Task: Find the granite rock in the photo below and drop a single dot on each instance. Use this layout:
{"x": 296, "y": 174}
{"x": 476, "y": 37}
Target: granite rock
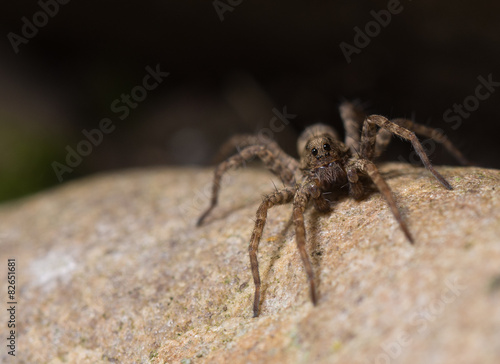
{"x": 112, "y": 269}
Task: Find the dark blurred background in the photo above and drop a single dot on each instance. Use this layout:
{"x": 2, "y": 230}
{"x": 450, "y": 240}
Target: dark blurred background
{"x": 230, "y": 63}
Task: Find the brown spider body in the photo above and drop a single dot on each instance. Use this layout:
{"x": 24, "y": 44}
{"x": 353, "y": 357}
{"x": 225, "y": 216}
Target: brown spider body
{"x": 326, "y": 165}
{"x": 323, "y": 157}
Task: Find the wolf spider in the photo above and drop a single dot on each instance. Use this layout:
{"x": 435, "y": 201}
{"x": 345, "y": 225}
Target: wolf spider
{"x": 326, "y": 165}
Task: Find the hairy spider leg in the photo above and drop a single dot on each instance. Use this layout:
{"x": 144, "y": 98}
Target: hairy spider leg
{"x": 368, "y": 141}
{"x": 384, "y": 136}
{"x": 277, "y": 165}
{"x": 302, "y": 196}
{"x": 353, "y": 116}
{"x": 277, "y": 198}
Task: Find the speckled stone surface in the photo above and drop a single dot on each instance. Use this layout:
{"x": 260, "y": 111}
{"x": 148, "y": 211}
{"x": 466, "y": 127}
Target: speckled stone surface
{"x": 113, "y": 269}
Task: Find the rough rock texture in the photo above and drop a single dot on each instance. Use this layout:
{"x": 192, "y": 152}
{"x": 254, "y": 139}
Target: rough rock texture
{"x": 112, "y": 269}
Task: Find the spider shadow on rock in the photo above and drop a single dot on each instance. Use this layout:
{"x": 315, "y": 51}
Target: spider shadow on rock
{"x": 394, "y": 172}
{"x": 281, "y": 239}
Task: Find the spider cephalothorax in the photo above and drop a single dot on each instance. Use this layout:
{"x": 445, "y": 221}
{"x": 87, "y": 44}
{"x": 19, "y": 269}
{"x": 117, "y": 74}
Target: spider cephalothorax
{"x": 322, "y": 155}
{"x": 326, "y": 166}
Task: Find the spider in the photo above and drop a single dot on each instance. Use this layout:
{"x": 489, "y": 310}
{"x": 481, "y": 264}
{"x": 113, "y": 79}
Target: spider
{"x": 326, "y": 166}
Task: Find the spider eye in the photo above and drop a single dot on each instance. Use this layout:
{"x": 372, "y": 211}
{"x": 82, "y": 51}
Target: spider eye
{"x": 326, "y": 147}
{"x": 314, "y": 151}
